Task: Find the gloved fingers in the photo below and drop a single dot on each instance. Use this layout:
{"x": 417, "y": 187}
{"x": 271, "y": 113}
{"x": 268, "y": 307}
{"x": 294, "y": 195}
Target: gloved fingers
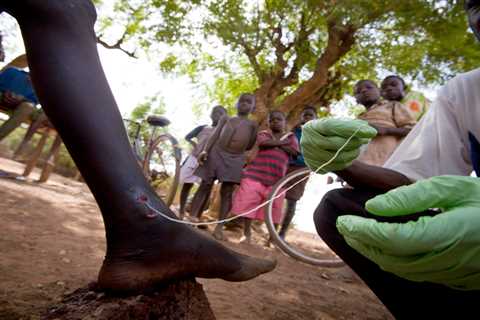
{"x": 322, "y": 156}
{"x": 341, "y": 128}
{"x": 441, "y": 249}
{"x": 322, "y": 159}
{"x": 437, "y": 192}
{"x": 312, "y": 139}
{"x": 419, "y": 237}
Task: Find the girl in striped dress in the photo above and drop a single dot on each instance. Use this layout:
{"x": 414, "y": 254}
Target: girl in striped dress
{"x": 269, "y": 165}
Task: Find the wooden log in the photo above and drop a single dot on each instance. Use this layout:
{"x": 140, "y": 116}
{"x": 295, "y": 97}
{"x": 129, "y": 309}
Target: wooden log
{"x": 36, "y": 154}
{"x": 51, "y": 159}
{"x": 177, "y": 301}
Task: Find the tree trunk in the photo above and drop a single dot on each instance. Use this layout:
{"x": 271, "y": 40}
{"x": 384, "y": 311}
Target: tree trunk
{"x": 177, "y": 301}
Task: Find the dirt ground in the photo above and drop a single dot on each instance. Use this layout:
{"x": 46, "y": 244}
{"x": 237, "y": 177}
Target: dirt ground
{"x": 52, "y": 242}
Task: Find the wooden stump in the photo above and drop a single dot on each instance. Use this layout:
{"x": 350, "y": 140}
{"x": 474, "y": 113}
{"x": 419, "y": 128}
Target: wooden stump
{"x": 178, "y": 301}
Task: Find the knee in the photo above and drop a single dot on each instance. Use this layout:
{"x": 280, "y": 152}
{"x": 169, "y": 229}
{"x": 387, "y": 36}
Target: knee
{"x": 25, "y": 108}
{"x": 326, "y": 214}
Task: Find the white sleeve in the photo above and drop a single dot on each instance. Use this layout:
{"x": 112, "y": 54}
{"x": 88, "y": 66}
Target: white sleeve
{"x": 435, "y": 146}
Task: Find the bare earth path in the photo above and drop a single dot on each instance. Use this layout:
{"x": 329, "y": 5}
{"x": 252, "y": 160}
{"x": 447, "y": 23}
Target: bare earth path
{"x": 52, "y": 242}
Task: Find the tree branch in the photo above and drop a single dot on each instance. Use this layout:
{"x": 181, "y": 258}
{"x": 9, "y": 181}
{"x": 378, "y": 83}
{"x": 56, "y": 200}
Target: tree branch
{"x": 340, "y": 41}
{"x": 117, "y": 45}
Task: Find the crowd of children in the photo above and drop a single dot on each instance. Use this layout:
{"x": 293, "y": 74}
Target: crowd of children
{"x": 219, "y": 154}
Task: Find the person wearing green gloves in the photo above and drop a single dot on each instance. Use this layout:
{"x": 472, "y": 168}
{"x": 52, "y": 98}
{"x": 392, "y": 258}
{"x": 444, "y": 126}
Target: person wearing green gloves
{"x": 411, "y": 229}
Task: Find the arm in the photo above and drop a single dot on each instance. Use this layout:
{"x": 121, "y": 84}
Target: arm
{"x": 9, "y": 99}
{"x": 360, "y": 175}
{"x": 193, "y": 134}
{"x": 253, "y": 137}
{"x": 202, "y": 157}
{"x": 398, "y": 132}
{"x": 272, "y": 143}
{"x": 291, "y": 148}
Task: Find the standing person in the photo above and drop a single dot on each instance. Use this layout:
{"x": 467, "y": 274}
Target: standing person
{"x": 143, "y": 248}
{"x": 296, "y": 163}
{"x": 389, "y": 117}
{"x": 269, "y": 165}
{"x": 421, "y": 263}
{"x": 201, "y": 134}
{"x": 224, "y": 157}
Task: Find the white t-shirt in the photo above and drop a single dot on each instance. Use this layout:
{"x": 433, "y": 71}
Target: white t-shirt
{"x": 439, "y": 143}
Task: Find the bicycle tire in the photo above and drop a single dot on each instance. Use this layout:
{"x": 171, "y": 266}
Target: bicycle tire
{"x": 165, "y": 137}
{"x": 282, "y": 244}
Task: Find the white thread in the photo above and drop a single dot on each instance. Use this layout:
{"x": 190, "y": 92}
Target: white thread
{"x": 261, "y": 205}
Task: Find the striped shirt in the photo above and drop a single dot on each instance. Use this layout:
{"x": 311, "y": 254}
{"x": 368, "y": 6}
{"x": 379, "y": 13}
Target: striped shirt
{"x": 269, "y": 165}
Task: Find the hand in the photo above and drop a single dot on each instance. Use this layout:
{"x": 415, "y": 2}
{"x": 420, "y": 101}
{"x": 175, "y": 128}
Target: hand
{"x": 202, "y": 157}
{"x": 322, "y": 138}
{"x": 193, "y": 144}
{"x": 11, "y": 100}
{"x": 441, "y": 249}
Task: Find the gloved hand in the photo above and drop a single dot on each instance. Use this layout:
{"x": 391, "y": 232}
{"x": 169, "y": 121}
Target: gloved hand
{"x": 322, "y": 138}
{"x": 442, "y": 249}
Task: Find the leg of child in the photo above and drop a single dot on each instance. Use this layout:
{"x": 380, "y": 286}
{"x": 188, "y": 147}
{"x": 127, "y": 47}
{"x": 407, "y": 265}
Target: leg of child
{"x": 290, "y": 212}
{"x": 184, "y": 197}
{"x": 226, "y": 192}
{"x": 200, "y": 199}
{"x": 247, "y": 231}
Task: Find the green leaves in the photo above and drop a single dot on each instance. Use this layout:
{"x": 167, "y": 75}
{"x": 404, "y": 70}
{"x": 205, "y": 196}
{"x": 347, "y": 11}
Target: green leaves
{"x": 278, "y": 48}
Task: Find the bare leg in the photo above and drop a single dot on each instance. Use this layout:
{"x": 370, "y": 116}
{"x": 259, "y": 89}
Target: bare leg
{"x": 247, "y": 231}
{"x": 226, "y": 192}
{"x": 184, "y": 197}
{"x": 289, "y": 214}
{"x": 200, "y": 199}
{"x": 21, "y": 114}
{"x": 143, "y": 249}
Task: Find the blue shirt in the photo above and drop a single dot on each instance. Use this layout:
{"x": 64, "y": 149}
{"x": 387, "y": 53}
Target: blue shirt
{"x": 298, "y": 161}
{"x": 18, "y": 82}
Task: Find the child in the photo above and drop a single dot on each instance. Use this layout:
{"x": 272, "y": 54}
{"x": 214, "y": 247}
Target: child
{"x": 224, "y": 157}
{"x": 269, "y": 165}
{"x": 390, "y": 117}
{"x": 296, "y": 163}
{"x": 201, "y": 134}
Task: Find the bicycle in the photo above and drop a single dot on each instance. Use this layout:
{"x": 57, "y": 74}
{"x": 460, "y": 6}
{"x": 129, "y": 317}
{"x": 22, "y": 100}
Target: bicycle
{"x": 279, "y": 187}
{"x": 159, "y": 155}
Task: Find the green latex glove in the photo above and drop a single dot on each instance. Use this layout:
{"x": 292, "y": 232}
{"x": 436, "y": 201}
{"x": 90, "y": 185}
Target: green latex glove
{"x": 442, "y": 249}
{"x": 322, "y": 138}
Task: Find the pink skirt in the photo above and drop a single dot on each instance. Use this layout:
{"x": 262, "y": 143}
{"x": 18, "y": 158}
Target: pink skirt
{"x": 250, "y": 195}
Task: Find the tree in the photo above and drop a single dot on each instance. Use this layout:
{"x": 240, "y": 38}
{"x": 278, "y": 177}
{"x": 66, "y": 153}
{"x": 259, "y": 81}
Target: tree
{"x": 297, "y": 52}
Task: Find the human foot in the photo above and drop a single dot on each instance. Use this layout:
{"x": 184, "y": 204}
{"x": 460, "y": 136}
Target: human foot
{"x": 218, "y": 233}
{"x": 165, "y": 251}
{"x": 246, "y": 239}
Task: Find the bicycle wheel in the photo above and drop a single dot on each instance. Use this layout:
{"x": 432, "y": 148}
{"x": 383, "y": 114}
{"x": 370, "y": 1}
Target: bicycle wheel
{"x": 278, "y": 241}
{"x": 162, "y": 166}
